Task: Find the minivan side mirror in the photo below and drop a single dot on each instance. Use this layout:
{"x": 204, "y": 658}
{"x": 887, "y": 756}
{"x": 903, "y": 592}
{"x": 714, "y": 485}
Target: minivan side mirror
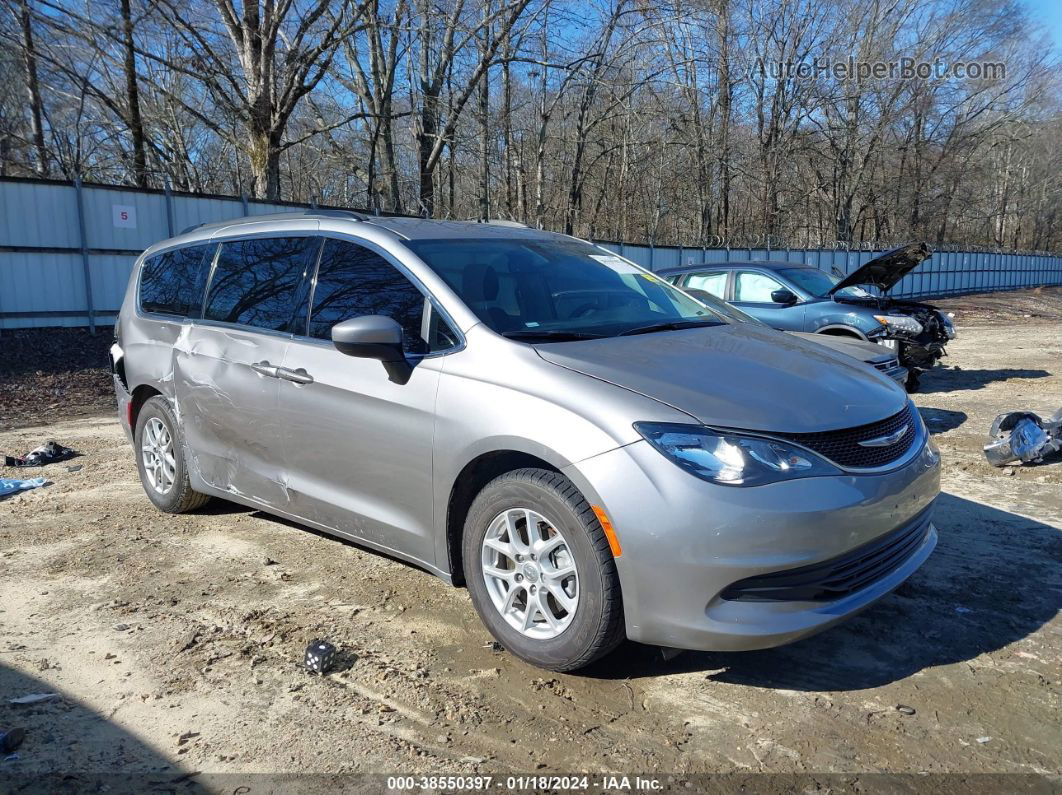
{"x": 374, "y": 337}
{"x": 784, "y": 296}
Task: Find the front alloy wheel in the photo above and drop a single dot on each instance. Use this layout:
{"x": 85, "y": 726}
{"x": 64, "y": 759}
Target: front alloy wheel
{"x": 530, "y": 574}
{"x": 540, "y": 570}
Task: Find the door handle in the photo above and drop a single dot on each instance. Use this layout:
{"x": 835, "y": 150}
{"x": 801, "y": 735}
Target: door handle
{"x": 266, "y": 369}
{"x": 299, "y": 376}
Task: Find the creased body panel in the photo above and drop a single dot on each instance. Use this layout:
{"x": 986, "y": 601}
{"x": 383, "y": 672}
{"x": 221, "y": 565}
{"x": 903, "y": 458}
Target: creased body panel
{"x": 228, "y": 410}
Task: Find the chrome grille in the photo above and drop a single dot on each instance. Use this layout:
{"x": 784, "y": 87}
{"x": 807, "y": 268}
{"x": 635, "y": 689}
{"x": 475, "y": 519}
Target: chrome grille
{"x": 843, "y": 447}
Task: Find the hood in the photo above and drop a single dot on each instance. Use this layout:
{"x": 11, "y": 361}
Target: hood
{"x": 850, "y": 346}
{"x": 885, "y": 270}
{"x": 738, "y": 376}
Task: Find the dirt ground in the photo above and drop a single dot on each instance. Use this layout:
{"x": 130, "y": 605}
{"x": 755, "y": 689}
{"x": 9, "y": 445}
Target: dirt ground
{"x": 173, "y": 642}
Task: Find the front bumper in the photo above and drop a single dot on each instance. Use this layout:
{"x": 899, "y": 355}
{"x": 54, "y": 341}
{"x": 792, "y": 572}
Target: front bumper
{"x": 897, "y": 374}
{"x": 686, "y": 541}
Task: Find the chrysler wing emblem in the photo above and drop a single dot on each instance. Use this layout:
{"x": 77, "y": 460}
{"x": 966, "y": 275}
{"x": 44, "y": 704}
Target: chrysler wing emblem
{"x": 886, "y": 441}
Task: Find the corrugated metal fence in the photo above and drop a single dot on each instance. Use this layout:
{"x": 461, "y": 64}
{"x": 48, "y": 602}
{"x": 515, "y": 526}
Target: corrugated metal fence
{"x": 66, "y": 251}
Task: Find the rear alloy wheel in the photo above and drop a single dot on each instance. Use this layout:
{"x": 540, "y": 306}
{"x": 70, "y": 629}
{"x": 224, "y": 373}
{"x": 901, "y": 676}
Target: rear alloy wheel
{"x": 540, "y": 570}
{"x": 156, "y": 451}
{"x": 160, "y": 459}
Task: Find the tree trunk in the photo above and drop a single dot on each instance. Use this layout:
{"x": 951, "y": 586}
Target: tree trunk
{"x": 507, "y": 130}
{"x": 484, "y": 138}
{"x": 33, "y": 92}
{"x": 429, "y": 129}
{"x": 132, "y": 92}
{"x": 264, "y": 157}
{"x": 722, "y": 217}
{"x": 387, "y": 159}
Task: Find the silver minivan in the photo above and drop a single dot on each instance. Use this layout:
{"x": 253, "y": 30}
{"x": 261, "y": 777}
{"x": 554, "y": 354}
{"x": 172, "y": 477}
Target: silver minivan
{"x": 592, "y": 452}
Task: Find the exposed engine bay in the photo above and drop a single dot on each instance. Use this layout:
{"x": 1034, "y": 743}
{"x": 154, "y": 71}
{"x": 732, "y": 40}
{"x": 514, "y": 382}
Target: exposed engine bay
{"x": 920, "y": 331}
{"x": 920, "y": 345}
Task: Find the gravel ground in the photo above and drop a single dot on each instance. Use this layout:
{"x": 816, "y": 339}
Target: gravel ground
{"x": 173, "y": 641}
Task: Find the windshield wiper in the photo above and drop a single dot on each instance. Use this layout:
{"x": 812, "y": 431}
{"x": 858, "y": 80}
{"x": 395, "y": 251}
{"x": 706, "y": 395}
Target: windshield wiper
{"x": 552, "y": 335}
{"x": 670, "y": 325}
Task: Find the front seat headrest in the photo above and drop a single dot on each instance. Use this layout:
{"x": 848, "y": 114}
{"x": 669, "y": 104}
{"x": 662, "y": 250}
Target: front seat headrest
{"x": 480, "y": 282}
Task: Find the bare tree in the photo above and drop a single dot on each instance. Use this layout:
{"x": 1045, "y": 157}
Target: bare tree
{"x": 33, "y": 91}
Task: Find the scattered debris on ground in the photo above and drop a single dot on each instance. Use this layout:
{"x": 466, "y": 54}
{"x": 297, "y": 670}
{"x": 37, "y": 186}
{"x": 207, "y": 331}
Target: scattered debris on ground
{"x": 47, "y": 453}
{"x": 1023, "y": 436}
{"x": 33, "y": 698}
{"x": 15, "y": 485}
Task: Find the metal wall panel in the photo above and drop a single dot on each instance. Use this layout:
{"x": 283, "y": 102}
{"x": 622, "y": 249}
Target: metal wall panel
{"x": 42, "y": 273}
{"x": 31, "y": 214}
{"x": 149, "y": 215}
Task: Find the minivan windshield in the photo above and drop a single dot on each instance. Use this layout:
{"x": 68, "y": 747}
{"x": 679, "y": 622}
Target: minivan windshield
{"x": 819, "y": 283}
{"x": 558, "y": 289}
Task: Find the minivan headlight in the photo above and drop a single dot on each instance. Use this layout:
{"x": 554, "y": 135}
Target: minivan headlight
{"x": 732, "y": 459}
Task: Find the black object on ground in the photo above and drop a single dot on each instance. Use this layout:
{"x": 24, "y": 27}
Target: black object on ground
{"x": 319, "y": 656}
{"x": 11, "y": 739}
{"x": 47, "y": 453}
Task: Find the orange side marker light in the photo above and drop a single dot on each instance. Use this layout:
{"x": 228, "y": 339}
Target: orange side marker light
{"x": 610, "y": 532}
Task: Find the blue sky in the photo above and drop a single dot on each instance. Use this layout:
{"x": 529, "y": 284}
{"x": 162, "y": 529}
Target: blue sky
{"x": 1049, "y": 14}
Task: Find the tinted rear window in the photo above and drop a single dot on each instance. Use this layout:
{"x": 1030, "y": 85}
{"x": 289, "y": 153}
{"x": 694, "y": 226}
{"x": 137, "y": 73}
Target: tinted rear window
{"x": 256, "y": 282}
{"x": 172, "y": 283}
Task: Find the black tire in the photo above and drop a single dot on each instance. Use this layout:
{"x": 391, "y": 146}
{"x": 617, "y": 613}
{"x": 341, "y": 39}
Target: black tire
{"x": 597, "y": 624}
{"x": 914, "y": 380}
{"x": 180, "y": 498}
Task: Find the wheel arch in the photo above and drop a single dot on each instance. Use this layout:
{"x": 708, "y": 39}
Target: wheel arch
{"x": 841, "y": 330}
{"x": 138, "y": 397}
{"x": 474, "y": 475}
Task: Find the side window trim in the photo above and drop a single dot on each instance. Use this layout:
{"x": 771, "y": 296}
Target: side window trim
{"x": 304, "y": 294}
{"x": 312, "y": 291}
{"x": 209, "y": 279}
{"x": 398, "y": 265}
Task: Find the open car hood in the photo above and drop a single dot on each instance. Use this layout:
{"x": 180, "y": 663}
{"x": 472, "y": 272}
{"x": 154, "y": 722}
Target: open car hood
{"x": 884, "y": 271}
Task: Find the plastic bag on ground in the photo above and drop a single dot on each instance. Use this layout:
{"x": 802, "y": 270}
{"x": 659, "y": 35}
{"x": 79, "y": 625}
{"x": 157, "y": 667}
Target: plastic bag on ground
{"x": 1027, "y": 440}
{"x": 12, "y": 485}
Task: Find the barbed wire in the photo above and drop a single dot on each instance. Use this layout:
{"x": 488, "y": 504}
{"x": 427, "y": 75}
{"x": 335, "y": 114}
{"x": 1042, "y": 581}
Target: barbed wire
{"x": 765, "y": 242}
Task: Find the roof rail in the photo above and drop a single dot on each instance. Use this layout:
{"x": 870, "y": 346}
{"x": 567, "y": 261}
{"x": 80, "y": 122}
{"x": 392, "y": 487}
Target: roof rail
{"x": 354, "y": 215}
{"x": 499, "y": 222}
